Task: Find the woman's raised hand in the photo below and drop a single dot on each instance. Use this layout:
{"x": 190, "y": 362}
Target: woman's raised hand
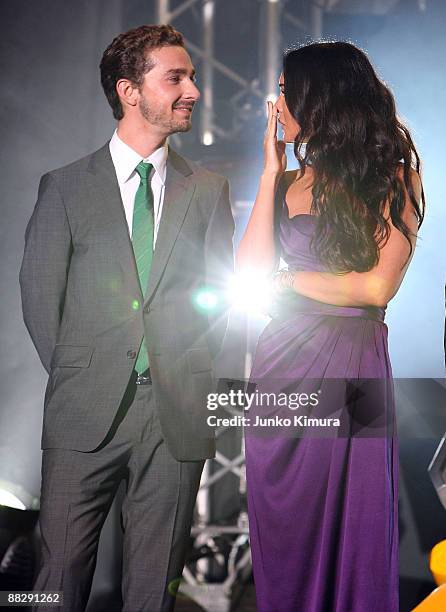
{"x": 274, "y": 150}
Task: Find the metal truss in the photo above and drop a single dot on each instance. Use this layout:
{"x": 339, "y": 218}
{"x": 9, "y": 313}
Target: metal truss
{"x": 235, "y": 560}
{"x": 307, "y": 16}
{"x": 264, "y": 85}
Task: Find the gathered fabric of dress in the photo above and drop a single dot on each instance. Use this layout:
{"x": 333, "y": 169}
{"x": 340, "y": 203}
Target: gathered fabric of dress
{"x": 323, "y": 503}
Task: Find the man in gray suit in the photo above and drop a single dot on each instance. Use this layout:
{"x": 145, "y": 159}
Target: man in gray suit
{"x": 116, "y": 325}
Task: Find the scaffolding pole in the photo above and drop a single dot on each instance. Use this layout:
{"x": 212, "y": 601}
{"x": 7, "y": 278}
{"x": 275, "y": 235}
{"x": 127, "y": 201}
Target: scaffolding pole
{"x": 270, "y": 46}
{"x": 162, "y": 11}
{"x": 207, "y": 71}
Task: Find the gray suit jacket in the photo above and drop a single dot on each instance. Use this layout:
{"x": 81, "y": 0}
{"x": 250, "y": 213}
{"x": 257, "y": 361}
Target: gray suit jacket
{"x": 85, "y": 312}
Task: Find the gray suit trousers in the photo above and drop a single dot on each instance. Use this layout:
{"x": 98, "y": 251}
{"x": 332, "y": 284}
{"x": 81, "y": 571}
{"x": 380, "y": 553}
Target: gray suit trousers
{"x": 78, "y": 489}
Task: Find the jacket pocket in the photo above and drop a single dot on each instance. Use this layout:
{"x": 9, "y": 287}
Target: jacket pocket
{"x": 72, "y": 356}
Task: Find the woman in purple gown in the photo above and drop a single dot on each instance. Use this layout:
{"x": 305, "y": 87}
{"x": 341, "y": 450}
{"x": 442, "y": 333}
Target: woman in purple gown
{"x": 323, "y": 501}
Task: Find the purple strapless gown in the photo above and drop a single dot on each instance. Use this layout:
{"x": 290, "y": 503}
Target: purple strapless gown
{"x": 323, "y": 510}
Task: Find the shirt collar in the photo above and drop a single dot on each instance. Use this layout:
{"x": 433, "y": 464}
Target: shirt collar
{"x": 125, "y": 159}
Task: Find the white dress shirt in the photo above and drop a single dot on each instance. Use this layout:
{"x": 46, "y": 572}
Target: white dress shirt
{"x": 125, "y": 160}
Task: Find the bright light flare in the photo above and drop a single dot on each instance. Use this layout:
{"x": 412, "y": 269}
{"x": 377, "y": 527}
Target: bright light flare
{"x": 206, "y": 300}
{"x": 11, "y": 501}
{"x": 250, "y": 291}
{"x": 15, "y": 496}
{"x": 208, "y": 138}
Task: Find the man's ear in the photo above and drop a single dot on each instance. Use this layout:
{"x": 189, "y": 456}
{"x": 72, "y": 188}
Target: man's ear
{"x": 128, "y": 92}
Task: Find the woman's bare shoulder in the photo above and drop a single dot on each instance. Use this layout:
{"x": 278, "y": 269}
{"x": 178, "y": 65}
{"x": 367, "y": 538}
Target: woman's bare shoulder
{"x": 415, "y": 180}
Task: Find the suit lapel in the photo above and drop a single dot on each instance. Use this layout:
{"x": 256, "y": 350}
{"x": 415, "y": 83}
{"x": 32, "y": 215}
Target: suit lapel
{"x": 107, "y": 198}
{"x": 179, "y": 190}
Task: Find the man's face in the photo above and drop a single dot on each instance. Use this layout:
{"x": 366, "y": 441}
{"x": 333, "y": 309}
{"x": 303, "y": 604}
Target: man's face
{"x": 168, "y": 92}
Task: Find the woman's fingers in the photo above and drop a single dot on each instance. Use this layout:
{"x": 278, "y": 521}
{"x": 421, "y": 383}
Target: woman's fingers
{"x": 274, "y": 114}
{"x": 274, "y": 150}
{"x": 271, "y": 129}
{"x": 269, "y": 114}
{"x": 268, "y": 122}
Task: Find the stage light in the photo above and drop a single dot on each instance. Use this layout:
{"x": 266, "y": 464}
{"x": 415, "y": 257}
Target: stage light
{"x": 208, "y": 138}
{"x": 11, "y": 501}
{"x": 15, "y": 496}
{"x": 251, "y": 292}
{"x": 18, "y": 518}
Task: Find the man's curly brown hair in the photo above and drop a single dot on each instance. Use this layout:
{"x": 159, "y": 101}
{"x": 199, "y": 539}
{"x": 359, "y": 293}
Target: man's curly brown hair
{"x": 127, "y": 57}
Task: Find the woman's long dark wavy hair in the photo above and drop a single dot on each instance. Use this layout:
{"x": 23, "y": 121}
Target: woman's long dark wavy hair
{"x": 354, "y": 144}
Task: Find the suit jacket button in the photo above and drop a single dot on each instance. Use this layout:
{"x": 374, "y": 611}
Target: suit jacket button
{"x": 146, "y": 308}
{"x": 131, "y": 354}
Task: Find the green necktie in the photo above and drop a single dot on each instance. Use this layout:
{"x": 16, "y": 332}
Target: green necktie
{"x": 142, "y": 240}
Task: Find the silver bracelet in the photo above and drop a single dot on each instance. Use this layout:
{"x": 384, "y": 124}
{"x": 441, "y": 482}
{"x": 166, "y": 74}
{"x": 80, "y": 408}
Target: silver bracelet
{"x": 284, "y": 280}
